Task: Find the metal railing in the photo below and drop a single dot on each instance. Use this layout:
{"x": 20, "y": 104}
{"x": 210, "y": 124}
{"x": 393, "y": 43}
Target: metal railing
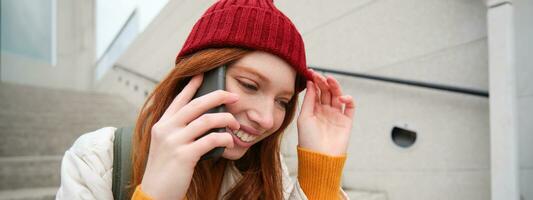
{"x": 407, "y": 82}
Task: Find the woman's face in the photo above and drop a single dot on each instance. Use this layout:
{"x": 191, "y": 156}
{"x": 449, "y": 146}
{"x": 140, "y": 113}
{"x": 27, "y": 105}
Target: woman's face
{"x": 265, "y": 85}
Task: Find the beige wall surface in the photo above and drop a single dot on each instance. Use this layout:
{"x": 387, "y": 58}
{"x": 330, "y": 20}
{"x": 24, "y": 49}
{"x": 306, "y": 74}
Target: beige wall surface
{"x": 523, "y": 19}
{"x": 75, "y": 52}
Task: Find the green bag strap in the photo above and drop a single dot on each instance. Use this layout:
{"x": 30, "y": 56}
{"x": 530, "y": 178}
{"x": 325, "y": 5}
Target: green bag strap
{"x": 122, "y": 163}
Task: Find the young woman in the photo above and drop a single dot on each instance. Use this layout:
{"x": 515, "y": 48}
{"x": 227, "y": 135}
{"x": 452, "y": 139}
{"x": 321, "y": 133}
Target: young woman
{"x": 266, "y": 71}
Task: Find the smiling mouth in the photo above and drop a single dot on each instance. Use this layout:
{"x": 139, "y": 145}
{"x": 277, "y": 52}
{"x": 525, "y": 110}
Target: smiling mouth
{"x": 243, "y": 136}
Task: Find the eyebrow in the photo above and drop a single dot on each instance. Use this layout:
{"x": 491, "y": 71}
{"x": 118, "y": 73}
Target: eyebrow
{"x": 252, "y": 71}
{"x": 260, "y": 76}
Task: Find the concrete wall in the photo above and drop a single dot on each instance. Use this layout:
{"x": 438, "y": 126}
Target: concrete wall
{"x": 27, "y": 28}
{"x": 75, "y": 52}
{"x": 511, "y": 98}
{"x": 503, "y": 120}
{"x": 434, "y": 41}
{"x": 523, "y": 23}
{"x": 153, "y": 53}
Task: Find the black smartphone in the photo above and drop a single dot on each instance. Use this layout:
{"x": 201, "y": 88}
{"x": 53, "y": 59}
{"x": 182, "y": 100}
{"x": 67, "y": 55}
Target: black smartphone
{"x": 214, "y": 79}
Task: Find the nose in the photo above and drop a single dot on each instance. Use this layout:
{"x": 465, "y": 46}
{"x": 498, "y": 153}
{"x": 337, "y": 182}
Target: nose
{"x": 262, "y": 115}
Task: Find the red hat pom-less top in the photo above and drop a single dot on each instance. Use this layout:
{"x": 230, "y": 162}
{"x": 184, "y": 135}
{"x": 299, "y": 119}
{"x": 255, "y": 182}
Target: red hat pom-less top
{"x": 254, "y": 24}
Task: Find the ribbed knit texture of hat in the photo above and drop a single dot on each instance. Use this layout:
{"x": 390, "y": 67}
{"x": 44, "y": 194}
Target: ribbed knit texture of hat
{"x": 253, "y": 24}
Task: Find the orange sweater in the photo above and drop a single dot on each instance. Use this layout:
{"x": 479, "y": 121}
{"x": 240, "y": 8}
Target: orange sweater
{"x": 319, "y": 175}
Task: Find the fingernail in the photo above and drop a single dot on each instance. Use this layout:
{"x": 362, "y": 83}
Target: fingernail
{"x": 347, "y": 98}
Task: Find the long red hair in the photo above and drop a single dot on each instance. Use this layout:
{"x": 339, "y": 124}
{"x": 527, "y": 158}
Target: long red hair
{"x": 260, "y": 166}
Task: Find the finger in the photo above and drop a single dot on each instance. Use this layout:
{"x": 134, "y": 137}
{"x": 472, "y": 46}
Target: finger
{"x": 325, "y": 95}
{"x": 315, "y": 87}
{"x": 336, "y": 92}
{"x": 206, "y": 122}
{"x": 308, "y": 104}
{"x": 210, "y": 141}
{"x": 202, "y": 104}
{"x": 317, "y": 96}
{"x": 350, "y": 106}
{"x": 184, "y": 96}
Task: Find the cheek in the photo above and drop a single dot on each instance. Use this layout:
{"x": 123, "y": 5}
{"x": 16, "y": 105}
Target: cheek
{"x": 234, "y": 108}
{"x": 277, "y": 123}
{"x": 248, "y": 101}
{"x": 279, "y": 117}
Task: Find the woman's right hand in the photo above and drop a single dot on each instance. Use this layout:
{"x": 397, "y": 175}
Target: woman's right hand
{"x": 174, "y": 152}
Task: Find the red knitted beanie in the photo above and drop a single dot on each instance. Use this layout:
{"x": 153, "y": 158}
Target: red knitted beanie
{"x": 253, "y": 24}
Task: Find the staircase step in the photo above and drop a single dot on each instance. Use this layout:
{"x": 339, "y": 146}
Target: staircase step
{"x": 32, "y": 98}
{"x": 366, "y": 195}
{"x": 37, "y": 126}
{"x": 51, "y": 137}
{"x": 29, "y": 194}
{"x": 23, "y": 136}
{"x": 38, "y": 121}
{"x": 29, "y": 172}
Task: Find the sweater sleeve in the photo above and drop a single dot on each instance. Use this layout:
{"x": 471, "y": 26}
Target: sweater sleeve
{"x": 139, "y": 194}
{"x": 320, "y": 174}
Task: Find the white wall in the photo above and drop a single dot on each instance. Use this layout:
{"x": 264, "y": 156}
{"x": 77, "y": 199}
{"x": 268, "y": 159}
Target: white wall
{"x": 111, "y": 16}
{"x": 153, "y": 52}
{"x": 503, "y": 120}
{"x": 434, "y": 41}
{"x": 75, "y": 52}
{"x": 511, "y": 103}
{"x": 28, "y": 29}
{"x": 523, "y": 23}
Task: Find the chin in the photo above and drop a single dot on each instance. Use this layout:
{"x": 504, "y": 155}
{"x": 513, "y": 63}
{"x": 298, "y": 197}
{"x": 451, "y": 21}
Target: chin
{"x": 234, "y": 153}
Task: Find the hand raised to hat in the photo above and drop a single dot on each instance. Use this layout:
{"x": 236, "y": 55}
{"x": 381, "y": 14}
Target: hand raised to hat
{"x": 325, "y": 120}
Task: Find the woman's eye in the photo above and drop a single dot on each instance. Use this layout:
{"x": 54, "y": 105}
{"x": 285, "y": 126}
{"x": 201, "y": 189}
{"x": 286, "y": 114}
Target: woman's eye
{"x": 284, "y": 104}
{"x": 248, "y": 86}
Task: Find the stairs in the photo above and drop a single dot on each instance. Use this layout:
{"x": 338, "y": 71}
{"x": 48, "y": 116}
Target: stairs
{"x": 38, "y": 124}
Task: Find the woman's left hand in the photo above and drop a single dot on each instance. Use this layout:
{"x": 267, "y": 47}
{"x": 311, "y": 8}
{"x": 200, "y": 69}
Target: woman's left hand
{"x": 325, "y": 120}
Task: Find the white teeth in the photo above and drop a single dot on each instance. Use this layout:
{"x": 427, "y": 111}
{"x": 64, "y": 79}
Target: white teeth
{"x": 244, "y": 136}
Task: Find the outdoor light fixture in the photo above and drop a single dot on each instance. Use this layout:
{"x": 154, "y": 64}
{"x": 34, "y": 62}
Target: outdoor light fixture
{"x": 403, "y": 137}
